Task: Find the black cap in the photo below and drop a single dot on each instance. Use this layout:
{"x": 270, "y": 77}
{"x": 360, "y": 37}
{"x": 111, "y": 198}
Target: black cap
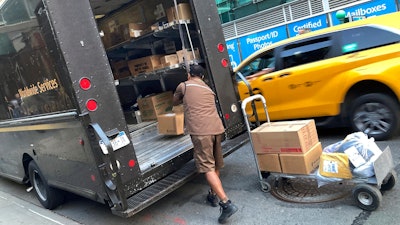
{"x": 196, "y": 70}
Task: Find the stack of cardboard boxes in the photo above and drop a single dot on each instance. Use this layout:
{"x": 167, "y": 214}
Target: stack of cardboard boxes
{"x": 184, "y": 13}
{"x": 289, "y": 147}
{"x": 122, "y": 28}
{"x": 152, "y": 106}
{"x": 159, "y": 107}
{"x": 155, "y": 62}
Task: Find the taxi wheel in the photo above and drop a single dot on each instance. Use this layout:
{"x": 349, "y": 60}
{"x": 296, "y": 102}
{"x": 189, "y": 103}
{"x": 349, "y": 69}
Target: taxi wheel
{"x": 49, "y": 197}
{"x": 376, "y": 115}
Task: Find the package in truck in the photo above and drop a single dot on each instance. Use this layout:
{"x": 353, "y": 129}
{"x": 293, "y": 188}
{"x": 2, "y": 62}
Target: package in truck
{"x": 144, "y": 64}
{"x": 181, "y": 12}
{"x": 152, "y": 106}
{"x": 171, "y": 123}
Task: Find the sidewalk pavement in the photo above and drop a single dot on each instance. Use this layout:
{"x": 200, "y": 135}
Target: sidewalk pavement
{"x": 14, "y": 211}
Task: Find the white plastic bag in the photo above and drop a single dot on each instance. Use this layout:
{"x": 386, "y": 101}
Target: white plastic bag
{"x": 355, "y": 145}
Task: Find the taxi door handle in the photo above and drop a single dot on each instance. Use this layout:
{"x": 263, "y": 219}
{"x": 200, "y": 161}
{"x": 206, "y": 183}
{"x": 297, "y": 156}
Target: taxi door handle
{"x": 268, "y": 79}
{"x": 284, "y": 75}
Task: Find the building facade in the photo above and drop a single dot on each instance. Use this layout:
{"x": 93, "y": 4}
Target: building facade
{"x": 285, "y": 19}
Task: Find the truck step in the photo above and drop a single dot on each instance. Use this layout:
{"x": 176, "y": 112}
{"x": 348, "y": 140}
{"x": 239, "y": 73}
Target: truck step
{"x": 158, "y": 190}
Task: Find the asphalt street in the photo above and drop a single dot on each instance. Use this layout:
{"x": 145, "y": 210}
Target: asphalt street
{"x": 187, "y": 205}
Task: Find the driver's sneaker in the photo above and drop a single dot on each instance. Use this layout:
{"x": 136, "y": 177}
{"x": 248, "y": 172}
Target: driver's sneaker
{"x": 227, "y": 210}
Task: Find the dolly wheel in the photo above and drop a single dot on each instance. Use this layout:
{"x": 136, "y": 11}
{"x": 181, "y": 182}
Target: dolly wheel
{"x": 265, "y": 186}
{"x": 367, "y": 197}
{"x": 390, "y": 182}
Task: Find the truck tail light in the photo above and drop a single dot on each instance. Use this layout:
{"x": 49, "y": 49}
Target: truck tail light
{"x": 221, "y": 47}
{"x": 227, "y": 116}
{"x": 224, "y": 62}
{"x": 85, "y": 83}
{"x": 91, "y": 105}
{"x": 131, "y": 163}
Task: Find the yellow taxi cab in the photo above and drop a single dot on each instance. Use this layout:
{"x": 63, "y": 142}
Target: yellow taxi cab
{"x": 346, "y": 75}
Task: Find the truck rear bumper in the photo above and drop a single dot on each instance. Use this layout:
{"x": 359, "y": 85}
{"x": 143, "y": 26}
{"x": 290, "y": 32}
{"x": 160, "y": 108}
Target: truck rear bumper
{"x": 158, "y": 190}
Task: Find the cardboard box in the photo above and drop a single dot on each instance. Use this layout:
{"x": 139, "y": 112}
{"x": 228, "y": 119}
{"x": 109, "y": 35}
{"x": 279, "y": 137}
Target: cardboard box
{"x": 152, "y": 106}
{"x": 184, "y": 13}
{"x": 169, "y": 59}
{"x": 116, "y": 38}
{"x": 169, "y": 47}
{"x": 132, "y": 30}
{"x": 171, "y": 123}
{"x": 178, "y": 109}
{"x": 285, "y": 137}
{"x": 106, "y": 39}
{"x": 159, "y": 67}
{"x": 143, "y": 65}
{"x": 159, "y": 11}
{"x": 335, "y": 165}
{"x": 269, "y": 162}
{"x": 187, "y": 54}
{"x": 156, "y": 26}
{"x": 120, "y": 69}
{"x": 301, "y": 163}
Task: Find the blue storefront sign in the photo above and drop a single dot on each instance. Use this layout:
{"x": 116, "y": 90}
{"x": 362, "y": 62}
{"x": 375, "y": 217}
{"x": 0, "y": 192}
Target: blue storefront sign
{"x": 312, "y": 24}
{"x": 253, "y": 42}
{"x": 233, "y": 51}
{"x": 241, "y": 48}
{"x": 372, "y": 8}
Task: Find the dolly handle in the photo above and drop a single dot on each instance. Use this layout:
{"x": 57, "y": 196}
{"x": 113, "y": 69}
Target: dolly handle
{"x": 252, "y": 98}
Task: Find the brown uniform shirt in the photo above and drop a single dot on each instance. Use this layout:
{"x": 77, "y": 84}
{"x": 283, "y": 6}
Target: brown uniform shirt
{"x": 201, "y": 116}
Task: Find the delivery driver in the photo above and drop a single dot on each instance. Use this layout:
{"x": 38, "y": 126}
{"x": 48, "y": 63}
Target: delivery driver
{"x": 206, "y": 129}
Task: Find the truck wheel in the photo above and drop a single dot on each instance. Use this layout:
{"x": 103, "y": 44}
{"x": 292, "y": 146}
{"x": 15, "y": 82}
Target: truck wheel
{"x": 391, "y": 181}
{"x": 367, "y": 197}
{"x": 49, "y": 197}
{"x": 376, "y": 115}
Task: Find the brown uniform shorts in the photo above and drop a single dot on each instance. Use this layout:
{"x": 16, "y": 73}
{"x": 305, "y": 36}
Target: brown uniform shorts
{"x": 207, "y": 152}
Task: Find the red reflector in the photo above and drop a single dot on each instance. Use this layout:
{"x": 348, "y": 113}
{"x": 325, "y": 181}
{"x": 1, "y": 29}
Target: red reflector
{"x": 91, "y": 105}
{"x": 224, "y": 62}
{"x": 227, "y": 116}
{"x": 221, "y": 47}
{"x": 93, "y": 177}
{"x": 85, "y": 83}
{"x": 131, "y": 163}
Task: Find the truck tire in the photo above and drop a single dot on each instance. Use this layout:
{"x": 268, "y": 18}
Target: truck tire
{"x": 49, "y": 197}
{"x": 376, "y": 115}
